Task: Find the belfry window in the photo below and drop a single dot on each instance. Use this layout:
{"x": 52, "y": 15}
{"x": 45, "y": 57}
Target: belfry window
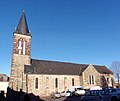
{"x": 36, "y": 83}
{"x": 24, "y": 44}
{"x": 20, "y": 47}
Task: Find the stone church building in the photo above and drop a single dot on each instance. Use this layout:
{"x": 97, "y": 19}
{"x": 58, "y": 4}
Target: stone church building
{"x": 42, "y": 77}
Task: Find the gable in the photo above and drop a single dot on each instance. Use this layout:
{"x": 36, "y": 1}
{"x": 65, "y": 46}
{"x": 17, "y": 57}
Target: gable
{"x": 99, "y": 69}
{"x": 90, "y": 70}
{"x": 4, "y": 77}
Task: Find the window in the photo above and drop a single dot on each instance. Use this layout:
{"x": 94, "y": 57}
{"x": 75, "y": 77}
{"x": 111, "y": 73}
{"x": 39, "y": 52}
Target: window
{"x": 108, "y": 80}
{"x": 56, "y": 82}
{"x": 91, "y": 79}
{"x": 72, "y": 82}
{"x": 20, "y": 47}
{"x": 65, "y": 80}
{"x": 47, "y": 78}
{"x": 36, "y": 83}
{"x": 24, "y": 44}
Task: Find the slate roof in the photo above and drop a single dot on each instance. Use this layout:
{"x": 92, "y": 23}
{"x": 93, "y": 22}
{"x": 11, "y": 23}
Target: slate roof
{"x": 60, "y": 68}
{"x": 103, "y": 69}
{"x": 4, "y": 78}
{"x": 22, "y": 27}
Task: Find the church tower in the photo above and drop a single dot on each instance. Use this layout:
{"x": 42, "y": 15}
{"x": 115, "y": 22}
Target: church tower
{"x": 20, "y": 55}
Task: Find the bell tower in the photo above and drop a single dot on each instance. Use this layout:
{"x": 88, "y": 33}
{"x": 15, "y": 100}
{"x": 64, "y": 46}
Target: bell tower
{"x": 20, "y": 54}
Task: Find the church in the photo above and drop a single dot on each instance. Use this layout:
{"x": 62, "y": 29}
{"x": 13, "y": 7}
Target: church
{"x": 43, "y": 77}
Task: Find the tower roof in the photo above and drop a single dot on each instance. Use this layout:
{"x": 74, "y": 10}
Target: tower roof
{"x": 22, "y": 27}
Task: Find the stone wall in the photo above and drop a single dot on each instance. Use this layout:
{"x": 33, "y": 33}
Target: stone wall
{"x": 46, "y": 83}
{"x": 90, "y": 71}
{"x": 26, "y": 38}
{"x": 17, "y": 78}
{"x": 97, "y": 78}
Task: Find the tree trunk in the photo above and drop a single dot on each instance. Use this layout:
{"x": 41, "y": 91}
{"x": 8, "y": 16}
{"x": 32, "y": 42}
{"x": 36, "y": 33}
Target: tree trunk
{"x": 118, "y": 80}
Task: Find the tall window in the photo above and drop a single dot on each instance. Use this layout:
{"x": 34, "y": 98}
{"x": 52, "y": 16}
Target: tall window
{"x": 36, "y": 83}
{"x": 20, "y": 47}
{"x": 65, "y": 80}
{"x": 108, "y": 80}
{"x": 56, "y": 82}
{"x": 73, "y": 82}
{"x": 91, "y": 80}
{"x": 24, "y": 44}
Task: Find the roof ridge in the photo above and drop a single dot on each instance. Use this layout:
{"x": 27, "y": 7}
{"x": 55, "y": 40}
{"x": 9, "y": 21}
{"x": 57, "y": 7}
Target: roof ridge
{"x": 60, "y": 62}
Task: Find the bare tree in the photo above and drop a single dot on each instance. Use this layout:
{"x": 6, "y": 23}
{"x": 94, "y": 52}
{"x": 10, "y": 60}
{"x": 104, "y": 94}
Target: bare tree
{"x": 116, "y": 70}
{"x": 104, "y": 83}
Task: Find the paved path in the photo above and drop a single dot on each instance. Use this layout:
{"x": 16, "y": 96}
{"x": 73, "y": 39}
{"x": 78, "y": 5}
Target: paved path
{"x": 64, "y": 99}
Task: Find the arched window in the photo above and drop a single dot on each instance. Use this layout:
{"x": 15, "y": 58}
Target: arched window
{"x": 65, "y": 81}
{"x": 24, "y": 44}
{"x": 56, "y": 82}
{"x": 20, "y": 47}
{"x": 73, "y": 82}
{"x": 36, "y": 83}
{"x": 108, "y": 80}
{"x": 91, "y": 79}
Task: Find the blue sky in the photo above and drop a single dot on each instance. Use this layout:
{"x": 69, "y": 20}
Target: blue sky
{"x": 78, "y": 31}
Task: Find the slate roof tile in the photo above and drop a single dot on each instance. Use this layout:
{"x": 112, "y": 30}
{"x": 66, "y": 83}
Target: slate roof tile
{"x": 60, "y": 68}
{"x": 22, "y": 27}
